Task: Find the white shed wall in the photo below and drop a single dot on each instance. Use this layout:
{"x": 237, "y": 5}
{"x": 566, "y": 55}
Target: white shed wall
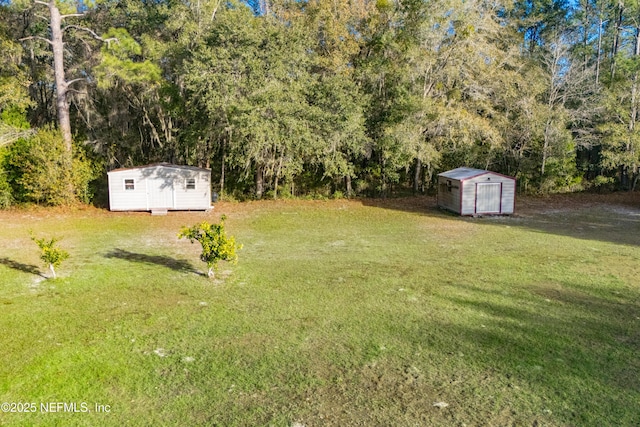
{"x": 469, "y": 191}
{"x": 159, "y": 186}
{"x": 127, "y": 200}
{"x": 449, "y": 195}
{"x": 193, "y": 198}
{"x": 509, "y": 197}
{"x": 469, "y": 194}
{"x": 468, "y": 199}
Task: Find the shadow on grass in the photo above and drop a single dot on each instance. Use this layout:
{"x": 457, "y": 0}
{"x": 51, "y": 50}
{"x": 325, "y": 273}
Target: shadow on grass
{"x": 25, "y": 268}
{"x": 423, "y": 205}
{"x": 162, "y": 260}
{"x": 575, "y": 351}
{"x": 613, "y": 218}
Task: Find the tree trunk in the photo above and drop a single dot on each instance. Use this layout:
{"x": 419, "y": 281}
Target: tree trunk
{"x": 623, "y": 177}
{"x": 347, "y": 185}
{"x": 417, "y": 177}
{"x": 634, "y": 88}
{"x": 616, "y": 39}
{"x": 429, "y": 176}
{"x": 259, "y": 181}
{"x": 222, "y": 166}
{"x": 599, "y": 56}
{"x": 545, "y": 147}
{"x": 585, "y": 38}
{"x": 633, "y": 116}
{"x": 383, "y": 177}
{"x": 207, "y": 154}
{"x": 53, "y": 271}
{"x": 62, "y": 104}
{"x": 275, "y": 186}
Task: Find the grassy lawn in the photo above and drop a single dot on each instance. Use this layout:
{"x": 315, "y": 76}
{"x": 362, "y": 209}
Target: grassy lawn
{"x": 339, "y": 313}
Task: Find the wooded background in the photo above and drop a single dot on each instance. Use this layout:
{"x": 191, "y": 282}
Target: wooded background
{"x": 318, "y": 98}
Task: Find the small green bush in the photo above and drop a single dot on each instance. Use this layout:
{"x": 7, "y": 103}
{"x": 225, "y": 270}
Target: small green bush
{"x": 49, "y": 254}
{"x": 216, "y": 246}
{"x": 37, "y": 172}
{"x": 6, "y": 196}
{"x": 603, "y": 183}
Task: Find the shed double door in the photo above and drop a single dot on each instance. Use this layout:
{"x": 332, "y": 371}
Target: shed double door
{"x": 488, "y": 197}
{"x": 160, "y": 193}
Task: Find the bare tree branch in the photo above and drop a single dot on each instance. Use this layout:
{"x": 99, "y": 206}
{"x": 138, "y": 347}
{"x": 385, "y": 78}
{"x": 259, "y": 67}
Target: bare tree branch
{"x": 36, "y": 38}
{"x": 9, "y": 134}
{"x": 70, "y": 82}
{"x": 90, "y": 32}
{"x": 215, "y": 9}
{"x": 71, "y": 15}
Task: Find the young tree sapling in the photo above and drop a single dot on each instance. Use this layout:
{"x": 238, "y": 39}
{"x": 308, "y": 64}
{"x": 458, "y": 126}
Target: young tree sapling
{"x": 216, "y": 246}
{"x": 50, "y": 254}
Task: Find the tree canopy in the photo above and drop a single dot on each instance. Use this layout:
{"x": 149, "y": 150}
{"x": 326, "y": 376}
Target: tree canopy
{"x": 288, "y": 98}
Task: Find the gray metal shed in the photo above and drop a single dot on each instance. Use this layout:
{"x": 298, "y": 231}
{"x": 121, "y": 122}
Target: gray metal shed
{"x": 469, "y": 191}
{"x": 159, "y": 187}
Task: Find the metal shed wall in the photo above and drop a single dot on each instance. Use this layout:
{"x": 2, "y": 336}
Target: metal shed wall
{"x": 449, "y": 193}
{"x": 160, "y": 186}
{"x": 469, "y": 191}
{"x": 490, "y": 193}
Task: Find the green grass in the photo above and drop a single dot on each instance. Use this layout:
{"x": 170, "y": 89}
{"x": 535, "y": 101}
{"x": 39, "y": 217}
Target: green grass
{"x": 338, "y": 313}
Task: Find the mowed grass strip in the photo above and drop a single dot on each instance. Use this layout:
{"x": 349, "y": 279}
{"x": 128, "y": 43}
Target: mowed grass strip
{"x": 338, "y": 313}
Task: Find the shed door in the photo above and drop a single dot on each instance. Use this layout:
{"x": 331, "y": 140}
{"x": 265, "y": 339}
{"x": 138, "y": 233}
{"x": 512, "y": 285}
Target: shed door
{"x": 488, "y": 197}
{"x": 160, "y": 193}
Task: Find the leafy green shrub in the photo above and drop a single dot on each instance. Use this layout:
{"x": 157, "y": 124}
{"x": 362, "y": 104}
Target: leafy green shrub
{"x": 15, "y": 116}
{"x": 49, "y": 254}
{"x": 85, "y": 171}
{"x": 603, "y": 183}
{"x": 337, "y": 195}
{"x": 216, "y": 246}
{"x": 38, "y": 173}
{"x": 6, "y": 197}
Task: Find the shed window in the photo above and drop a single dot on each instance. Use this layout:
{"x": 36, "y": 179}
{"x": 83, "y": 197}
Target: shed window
{"x": 129, "y": 184}
{"x": 191, "y": 183}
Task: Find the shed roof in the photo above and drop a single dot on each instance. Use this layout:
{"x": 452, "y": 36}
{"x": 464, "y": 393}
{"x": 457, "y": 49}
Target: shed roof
{"x": 463, "y": 173}
{"x": 163, "y": 164}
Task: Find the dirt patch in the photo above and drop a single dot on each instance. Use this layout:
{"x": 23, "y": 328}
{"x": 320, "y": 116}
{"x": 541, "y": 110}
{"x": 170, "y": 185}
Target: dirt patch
{"x": 34, "y": 285}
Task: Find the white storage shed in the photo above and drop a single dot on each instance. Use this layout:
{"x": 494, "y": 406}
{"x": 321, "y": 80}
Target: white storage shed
{"x": 159, "y": 187}
{"x": 468, "y": 191}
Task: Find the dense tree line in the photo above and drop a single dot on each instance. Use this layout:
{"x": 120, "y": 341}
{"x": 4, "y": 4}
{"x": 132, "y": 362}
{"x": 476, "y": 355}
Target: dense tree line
{"x": 340, "y": 97}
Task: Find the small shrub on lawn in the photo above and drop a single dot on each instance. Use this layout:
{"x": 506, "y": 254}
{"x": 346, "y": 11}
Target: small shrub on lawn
{"x": 50, "y": 254}
{"x": 216, "y": 246}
